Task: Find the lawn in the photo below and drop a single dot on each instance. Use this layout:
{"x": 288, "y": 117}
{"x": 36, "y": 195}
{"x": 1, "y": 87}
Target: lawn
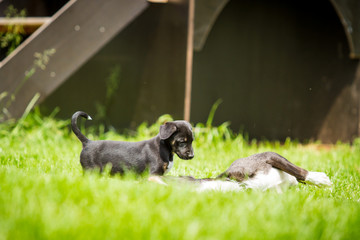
{"x": 45, "y": 195}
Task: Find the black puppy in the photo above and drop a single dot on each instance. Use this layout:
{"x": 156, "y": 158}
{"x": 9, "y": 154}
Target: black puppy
{"x": 155, "y": 154}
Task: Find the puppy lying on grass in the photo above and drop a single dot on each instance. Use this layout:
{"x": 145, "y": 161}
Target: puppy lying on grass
{"x": 262, "y": 171}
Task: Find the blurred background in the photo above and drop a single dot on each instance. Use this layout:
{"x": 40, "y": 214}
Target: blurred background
{"x": 281, "y": 68}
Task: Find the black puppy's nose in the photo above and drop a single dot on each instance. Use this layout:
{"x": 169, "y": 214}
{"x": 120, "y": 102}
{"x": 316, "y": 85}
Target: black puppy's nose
{"x": 190, "y": 155}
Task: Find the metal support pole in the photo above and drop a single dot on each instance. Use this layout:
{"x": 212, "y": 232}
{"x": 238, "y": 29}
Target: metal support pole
{"x": 189, "y": 60}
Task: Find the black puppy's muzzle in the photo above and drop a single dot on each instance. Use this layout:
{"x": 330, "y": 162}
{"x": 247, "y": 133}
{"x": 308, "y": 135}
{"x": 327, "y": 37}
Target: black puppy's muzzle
{"x": 187, "y": 156}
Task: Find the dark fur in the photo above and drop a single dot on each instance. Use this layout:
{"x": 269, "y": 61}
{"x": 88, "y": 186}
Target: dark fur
{"x": 154, "y": 154}
{"x": 243, "y": 169}
{"x": 248, "y": 167}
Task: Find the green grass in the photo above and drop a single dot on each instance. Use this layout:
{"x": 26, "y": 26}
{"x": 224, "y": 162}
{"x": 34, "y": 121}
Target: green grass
{"x": 44, "y": 194}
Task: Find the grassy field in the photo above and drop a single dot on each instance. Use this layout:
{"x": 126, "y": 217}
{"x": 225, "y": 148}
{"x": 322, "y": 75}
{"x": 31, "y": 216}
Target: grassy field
{"x": 44, "y": 194}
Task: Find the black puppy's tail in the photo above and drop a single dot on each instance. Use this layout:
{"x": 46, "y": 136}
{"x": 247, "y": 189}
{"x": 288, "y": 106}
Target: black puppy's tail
{"x": 75, "y": 128}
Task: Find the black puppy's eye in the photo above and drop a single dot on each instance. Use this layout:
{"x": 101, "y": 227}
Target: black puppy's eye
{"x": 182, "y": 144}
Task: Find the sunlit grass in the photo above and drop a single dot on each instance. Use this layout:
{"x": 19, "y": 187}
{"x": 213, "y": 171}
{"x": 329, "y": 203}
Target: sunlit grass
{"x": 45, "y": 195}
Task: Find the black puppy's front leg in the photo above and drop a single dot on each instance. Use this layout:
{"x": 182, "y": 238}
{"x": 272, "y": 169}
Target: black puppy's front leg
{"x": 156, "y": 179}
{"x": 159, "y": 168}
{"x": 157, "y": 171}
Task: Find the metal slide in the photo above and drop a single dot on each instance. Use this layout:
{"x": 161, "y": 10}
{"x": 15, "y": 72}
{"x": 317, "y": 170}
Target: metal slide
{"x": 59, "y": 47}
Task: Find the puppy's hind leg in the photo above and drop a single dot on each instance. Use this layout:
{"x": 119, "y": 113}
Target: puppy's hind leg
{"x": 319, "y": 179}
{"x": 279, "y": 162}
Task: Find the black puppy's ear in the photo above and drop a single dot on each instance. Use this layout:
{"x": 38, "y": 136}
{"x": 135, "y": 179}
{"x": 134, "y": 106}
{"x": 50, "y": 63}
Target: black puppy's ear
{"x": 167, "y": 130}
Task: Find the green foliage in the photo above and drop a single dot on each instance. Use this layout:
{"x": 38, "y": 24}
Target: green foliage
{"x": 14, "y": 34}
{"x": 112, "y": 85}
{"x": 42, "y": 59}
{"x": 45, "y": 195}
{"x": 6, "y": 99}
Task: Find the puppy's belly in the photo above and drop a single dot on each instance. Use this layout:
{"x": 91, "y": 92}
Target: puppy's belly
{"x": 120, "y": 156}
{"x": 273, "y": 179}
{"x": 219, "y": 185}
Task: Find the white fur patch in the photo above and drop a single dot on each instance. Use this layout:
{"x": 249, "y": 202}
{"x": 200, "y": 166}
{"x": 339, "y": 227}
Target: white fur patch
{"x": 169, "y": 166}
{"x": 219, "y": 185}
{"x": 275, "y": 178}
{"x": 319, "y": 179}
